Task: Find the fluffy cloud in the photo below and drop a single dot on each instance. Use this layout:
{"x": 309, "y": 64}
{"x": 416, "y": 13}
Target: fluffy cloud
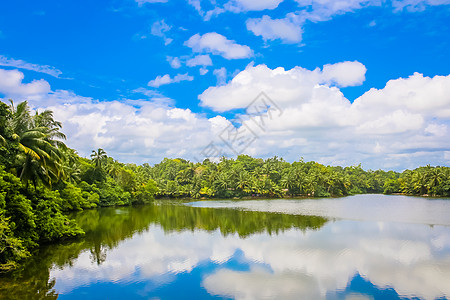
{"x": 288, "y": 86}
{"x": 345, "y": 73}
{"x": 11, "y": 84}
{"x": 217, "y": 44}
{"x": 199, "y": 60}
{"x": 126, "y": 129}
{"x": 166, "y": 79}
{"x": 402, "y": 125}
{"x": 270, "y": 29}
{"x": 174, "y": 62}
{"x": 398, "y": 126}
{"x": 20, "y": 64}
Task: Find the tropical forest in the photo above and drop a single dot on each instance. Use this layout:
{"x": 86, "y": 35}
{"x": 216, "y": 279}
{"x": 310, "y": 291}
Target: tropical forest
{"x": 42, "y": 180}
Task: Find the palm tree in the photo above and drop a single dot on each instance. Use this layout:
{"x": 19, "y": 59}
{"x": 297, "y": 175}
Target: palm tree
{"x": 242, "y": 180}
{"x": 98, "y": 157}
{"x": 435, "y": 177}
{"x": 419, "y": 179}
{"x": 39, "y": 148}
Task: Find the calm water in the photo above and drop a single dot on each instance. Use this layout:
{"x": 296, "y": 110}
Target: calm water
{"x": 360, "y": 247}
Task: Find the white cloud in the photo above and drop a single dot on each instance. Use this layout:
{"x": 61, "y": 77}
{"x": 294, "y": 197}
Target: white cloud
{"x": 203, "y": 71}
{"x": 235, "y": 6}
{"x": 174, "y": 62}
{"x": 251, "y": 5}
{"x": 270, "y": 29}
{"x": 288, "y": 85}
{"x": 20, "y": 64}
{"x": 159, "y": 28}
{"x": 11, "y": 84}
{"x": 196, "y": 5}
{"x": 166, "y": 79}
{"x": 289, "y": 29}
{"x": 345, "y": 73}
{"x": 402, "y": 125}
{"x": 324, "y": 9}
{"x": 217, "y": 44}
{"x": 221, "y": 75}
{"x": 199, "y": 60}
{"x": 409, "y": 116}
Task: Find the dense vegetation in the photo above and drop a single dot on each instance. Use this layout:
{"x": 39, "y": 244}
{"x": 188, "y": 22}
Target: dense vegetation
{"x": 41, "y": 179}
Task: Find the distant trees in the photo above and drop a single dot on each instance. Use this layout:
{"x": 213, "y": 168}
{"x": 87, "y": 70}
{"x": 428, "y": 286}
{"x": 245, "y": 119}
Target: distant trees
{"x": 428, "y": 180}
{"x": 32, "y": 151}
{"x": 273, "y": 177}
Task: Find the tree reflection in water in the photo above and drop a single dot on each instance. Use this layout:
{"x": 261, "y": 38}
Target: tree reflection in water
{"x": 106, "y": 228}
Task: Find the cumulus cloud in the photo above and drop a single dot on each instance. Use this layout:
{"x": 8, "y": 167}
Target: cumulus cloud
{"x": 20, "y": 64}
{"x": 174, "y": 62}
{"x": 159, "y": 28}
{"x": 290, "y": 86}
{"x": 166, "y": 79}
{"x": 126, "y": 129}
{"x": 199, "y": 60}
{"x": 11, "y": 84}
{"x": 345, "y": 73}
{"x": 400, "y": 125}
{"x": 270, "y": 29}
{"x": 217, "y": 44}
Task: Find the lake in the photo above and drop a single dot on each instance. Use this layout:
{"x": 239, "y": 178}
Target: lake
{"x": 357, "y": 247}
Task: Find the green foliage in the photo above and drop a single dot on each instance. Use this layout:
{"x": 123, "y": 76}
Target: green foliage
{"x": 28, "y": 218}
{"x": 32, "y": 151}
{"x": 73, "y": 198}
{"x": 428, "y": 180}
{"x": 145, "y": 192}
{"x": 51, "y": 224}
{"x": 12, "y": 249}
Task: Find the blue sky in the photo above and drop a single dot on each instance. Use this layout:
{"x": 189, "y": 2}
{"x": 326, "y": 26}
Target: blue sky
{"x": 149, "y": 79}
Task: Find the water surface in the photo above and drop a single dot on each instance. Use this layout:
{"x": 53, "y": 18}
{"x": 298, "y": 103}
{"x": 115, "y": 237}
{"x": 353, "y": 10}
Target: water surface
{"x": 372, "y": 207}
{"x": 264, "y": 249}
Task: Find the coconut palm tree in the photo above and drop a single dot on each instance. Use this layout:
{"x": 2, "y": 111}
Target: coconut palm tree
{"x": 98, "y": 157}
{"x": 39, "y": 156}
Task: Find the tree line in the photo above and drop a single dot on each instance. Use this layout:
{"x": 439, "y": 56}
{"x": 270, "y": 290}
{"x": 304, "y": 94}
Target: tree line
{"x": 41, "y": 179}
